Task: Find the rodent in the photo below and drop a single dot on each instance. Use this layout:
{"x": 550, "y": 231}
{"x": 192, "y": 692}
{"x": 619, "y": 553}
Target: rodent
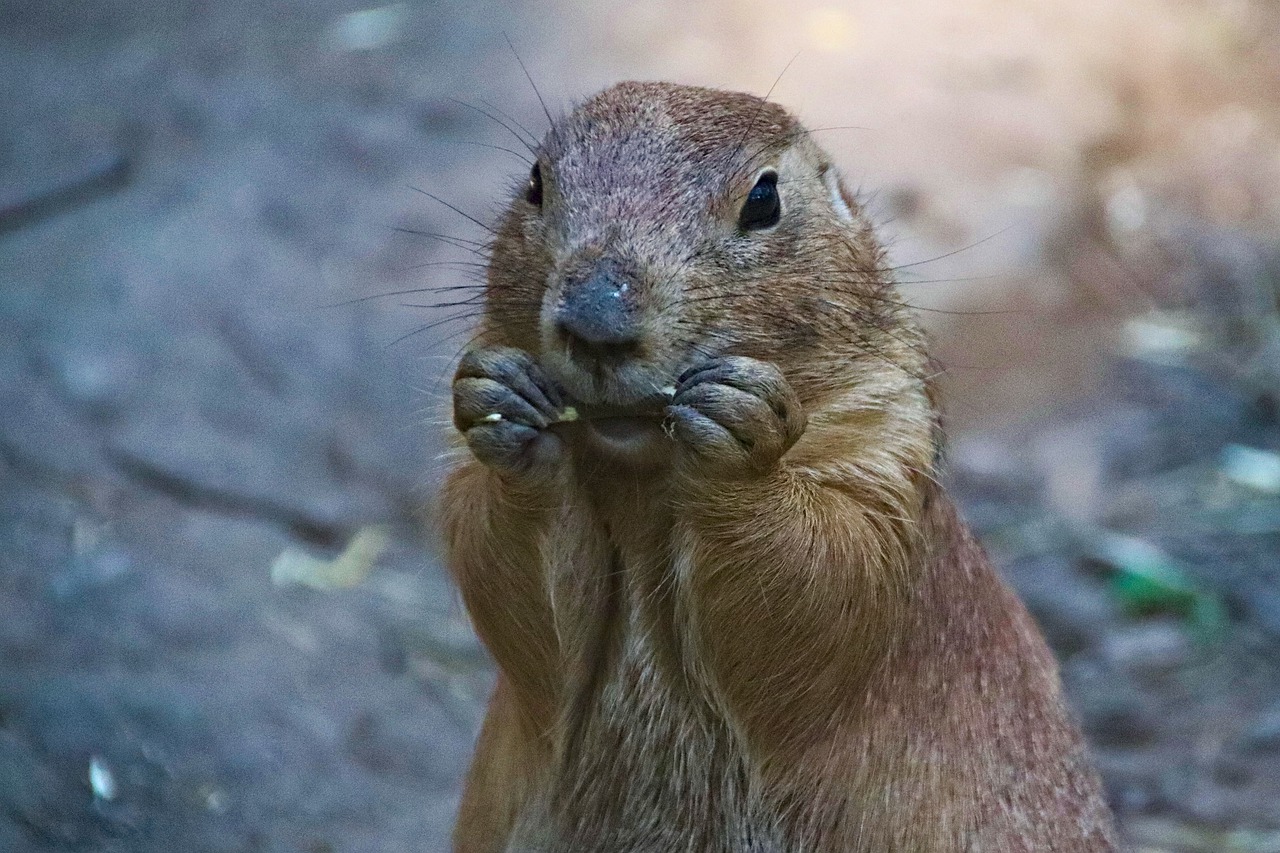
{"x": 698, "y": 527}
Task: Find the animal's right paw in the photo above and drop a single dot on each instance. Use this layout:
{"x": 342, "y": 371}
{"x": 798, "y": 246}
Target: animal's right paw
{"x": 503, "y": 404}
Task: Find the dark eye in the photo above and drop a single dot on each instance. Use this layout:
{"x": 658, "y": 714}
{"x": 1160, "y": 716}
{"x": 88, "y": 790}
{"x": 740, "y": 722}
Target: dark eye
{"x": 533, "y": 193}
{"x": 762, "y": 207}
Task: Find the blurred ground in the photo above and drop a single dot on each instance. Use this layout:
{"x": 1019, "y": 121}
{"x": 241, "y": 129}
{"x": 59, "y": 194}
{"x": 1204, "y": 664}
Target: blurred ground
{"x": 184, "y": 399}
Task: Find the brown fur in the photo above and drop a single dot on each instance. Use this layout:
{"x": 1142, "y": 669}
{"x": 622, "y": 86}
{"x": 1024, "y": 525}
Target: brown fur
{"x": 785, "y": 643}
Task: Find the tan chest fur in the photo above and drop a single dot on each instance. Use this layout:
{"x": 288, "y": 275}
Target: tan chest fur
{"x": 634, "y": 732}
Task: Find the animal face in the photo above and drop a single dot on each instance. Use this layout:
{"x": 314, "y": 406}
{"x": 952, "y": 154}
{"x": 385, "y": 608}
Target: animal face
{"x": 664, "y": 225}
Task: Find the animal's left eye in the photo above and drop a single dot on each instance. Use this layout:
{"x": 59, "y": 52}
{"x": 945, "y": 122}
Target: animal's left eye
{"x": 762, "y": 207}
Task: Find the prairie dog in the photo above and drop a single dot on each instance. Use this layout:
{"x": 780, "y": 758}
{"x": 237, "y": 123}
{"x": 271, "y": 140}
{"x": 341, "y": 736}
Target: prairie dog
{"x": 698, "y": 526}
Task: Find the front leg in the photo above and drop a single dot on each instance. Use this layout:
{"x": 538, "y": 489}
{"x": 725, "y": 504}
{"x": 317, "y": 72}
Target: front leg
{"x": 792, "y": 570}
{"x": 497, "y": 509}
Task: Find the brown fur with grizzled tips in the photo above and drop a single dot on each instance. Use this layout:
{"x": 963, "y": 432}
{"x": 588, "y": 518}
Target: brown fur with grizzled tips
{"x": 755, "y": 624}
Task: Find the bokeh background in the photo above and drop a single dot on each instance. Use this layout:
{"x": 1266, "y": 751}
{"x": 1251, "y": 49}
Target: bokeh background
{"x": 223, "y": 623}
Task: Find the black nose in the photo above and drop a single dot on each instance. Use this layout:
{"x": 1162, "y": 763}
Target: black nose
{"x": 597, "y": 315}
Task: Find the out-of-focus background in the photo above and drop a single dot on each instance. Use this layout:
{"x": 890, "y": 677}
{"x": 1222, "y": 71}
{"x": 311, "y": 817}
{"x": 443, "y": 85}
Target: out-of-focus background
{"x": 223, "y": 623}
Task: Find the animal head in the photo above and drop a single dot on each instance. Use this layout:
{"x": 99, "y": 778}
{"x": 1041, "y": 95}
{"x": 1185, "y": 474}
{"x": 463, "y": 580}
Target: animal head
{"x": 664, "y": 224}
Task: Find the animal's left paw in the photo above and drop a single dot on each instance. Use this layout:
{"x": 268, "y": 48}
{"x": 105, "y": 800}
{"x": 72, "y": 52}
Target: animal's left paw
{"x": 735, "y": 415}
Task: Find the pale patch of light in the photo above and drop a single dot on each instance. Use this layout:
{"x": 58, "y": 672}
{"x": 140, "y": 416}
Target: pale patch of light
{"x": 101, "y": 779}
{"x": 368, "y": 28}
{"x": 1126, "y": 209}
{"x": 1251, "y": 467}
{"x": 831, "y": 29}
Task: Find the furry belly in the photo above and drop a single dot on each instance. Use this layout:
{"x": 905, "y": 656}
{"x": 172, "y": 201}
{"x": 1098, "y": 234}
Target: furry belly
{"x": 648, "y": 769}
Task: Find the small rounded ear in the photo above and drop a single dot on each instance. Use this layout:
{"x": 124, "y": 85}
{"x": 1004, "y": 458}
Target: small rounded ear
{"x": 841, "y": 201}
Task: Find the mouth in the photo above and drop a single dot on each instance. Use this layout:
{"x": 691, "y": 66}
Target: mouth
{"x": 632, "y": 388}
{"x": 652, "y": 407}
{"x": 630, "y": 437}
{"x": 630, "y": 433}
{"x": 615, "y": 411}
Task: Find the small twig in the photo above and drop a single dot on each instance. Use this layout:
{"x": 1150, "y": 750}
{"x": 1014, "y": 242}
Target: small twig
{"x": 95, "y": 179}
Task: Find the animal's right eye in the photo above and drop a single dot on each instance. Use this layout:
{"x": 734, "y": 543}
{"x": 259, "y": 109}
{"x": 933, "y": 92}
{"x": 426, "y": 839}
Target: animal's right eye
{"x": 533, "y": 193}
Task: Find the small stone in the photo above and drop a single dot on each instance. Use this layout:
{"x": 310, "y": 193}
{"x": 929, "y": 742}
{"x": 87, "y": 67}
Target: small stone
{"x": 214, "y": 798}
{"x": 1259, "y": 603}
{"x": 1113, "y": 712}
{"x": 1120, "y": 724}
{"x": 1232, "y": 771}
{"x": 98, "y": 378}
{"x": 1251, "y": 467}
{"x": 1073, "y": 611}
{"x": 1133, "y": 798}
{"x": 1265, "y": 731}
{"x": 101, "y": 779}
{"x": 1150, "y": 647}
{"x": 368, "y": 28}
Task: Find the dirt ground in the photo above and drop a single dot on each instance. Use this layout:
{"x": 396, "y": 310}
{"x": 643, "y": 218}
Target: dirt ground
{"x": 192, "y": 406}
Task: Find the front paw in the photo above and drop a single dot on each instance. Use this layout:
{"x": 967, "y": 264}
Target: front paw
{"x": 503, "y": 404}
{"x": 735, "y": 414}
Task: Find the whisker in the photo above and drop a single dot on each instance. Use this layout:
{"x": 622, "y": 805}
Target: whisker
{"x": 861, "y": 333}
{"x": 470, "y": 301}
{"x": 510, "y": 151}
{"x": 760, "y": 109}
{"x": 952, "y": 253}
{"x": 505, "y": 126}
{"x": 473, "y": 270}
{"x": 509, "y": 117}
{"x": 455, "y": 209}
{"x": 809, "y": 130}
{"x": 477, "y": 299}
{"x": 875, "y": 297}
{"x": 471, "y": 266}
{"x": 475, "y": 247}
{"x": 551, "y": 123}
{"x": 434, "y": 325}
{"x": 391, "y": 293}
